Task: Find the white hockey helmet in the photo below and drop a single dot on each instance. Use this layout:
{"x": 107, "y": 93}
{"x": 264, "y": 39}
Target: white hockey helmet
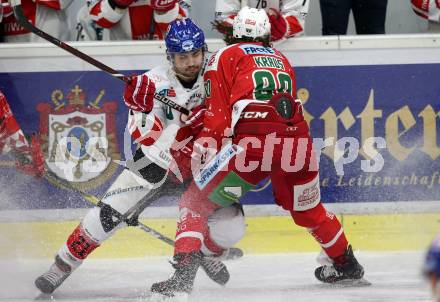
{"x": 252, "y": 23}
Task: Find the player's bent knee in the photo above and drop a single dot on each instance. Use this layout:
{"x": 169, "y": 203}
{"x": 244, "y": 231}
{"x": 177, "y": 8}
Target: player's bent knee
{"x": 227, "y": 226}
{"x": 310, "y": 218}
{"x": 100, "y": 223}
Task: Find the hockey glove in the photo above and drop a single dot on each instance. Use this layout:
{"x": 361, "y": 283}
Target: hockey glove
{"x": 278, "y": 25}
{"x": 193, "y": 123}
{"x": 163, "y": 5}
{"x": 139, "y": 93}
{"x": 30, "y": 159}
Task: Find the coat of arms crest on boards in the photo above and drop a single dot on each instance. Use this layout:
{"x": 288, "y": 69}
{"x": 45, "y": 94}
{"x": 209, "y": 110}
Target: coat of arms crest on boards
{"x": 79, "y": 138}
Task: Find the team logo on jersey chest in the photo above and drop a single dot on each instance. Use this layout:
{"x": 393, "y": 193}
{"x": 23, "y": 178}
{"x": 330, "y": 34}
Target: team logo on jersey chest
{"x": 79, "y": 139}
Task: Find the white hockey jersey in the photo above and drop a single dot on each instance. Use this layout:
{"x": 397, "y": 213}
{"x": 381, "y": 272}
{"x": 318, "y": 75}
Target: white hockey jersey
{"x": 137, "y": 22}
{"x": 156, "y": 131}
{"x": 293, "y": 11}
{"x": 47, "y": 15}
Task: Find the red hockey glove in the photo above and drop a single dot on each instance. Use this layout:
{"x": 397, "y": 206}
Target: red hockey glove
{"x": 193, "y": 123}
{"x": 30, "y": 159}
{"x": 163, "y": 5}
{"x": 190, "y": 158}
{"x": 278, "y": 25}
{"x": 139, "y": 93}
{"x": 120, "y": 3}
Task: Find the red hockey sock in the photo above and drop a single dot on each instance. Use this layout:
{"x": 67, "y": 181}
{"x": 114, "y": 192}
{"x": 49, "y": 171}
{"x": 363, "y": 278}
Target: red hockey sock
{"x": 330, "y": 235}
{"x": 190, "y": 229}
{"x": 80, "y": 244}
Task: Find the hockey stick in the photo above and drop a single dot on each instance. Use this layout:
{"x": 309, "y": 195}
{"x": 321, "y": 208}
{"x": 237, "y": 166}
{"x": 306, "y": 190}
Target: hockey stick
{"x": 121, "y": 217}
{"x": 233, "y": 253}
{"x": 19, "y": 15}
{"x": 152, "y": 26}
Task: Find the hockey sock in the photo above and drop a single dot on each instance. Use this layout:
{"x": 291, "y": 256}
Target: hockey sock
{"x": 78, "y": 247}
{"x": 330, "y": 235}
{"x": 191, "y": 228}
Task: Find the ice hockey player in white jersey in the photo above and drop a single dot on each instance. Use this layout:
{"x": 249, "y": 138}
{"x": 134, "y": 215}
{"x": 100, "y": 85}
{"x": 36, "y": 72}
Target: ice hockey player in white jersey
{"x": 155, "y": 127}
{"x": 49, "y": 16}
{"x": 287, "y": 17}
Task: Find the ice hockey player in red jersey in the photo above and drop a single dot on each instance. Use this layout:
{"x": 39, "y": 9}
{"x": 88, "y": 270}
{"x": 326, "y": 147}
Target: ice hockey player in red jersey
{"x": 254, "y": 129}
{"x": 133, "y": 20}
{"x": 28, "y": 156}
{"x": 47, "y": 15}
{"x": 287, "y": 17}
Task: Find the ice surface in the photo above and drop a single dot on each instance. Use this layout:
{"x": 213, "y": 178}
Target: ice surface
{"x": 395, "y": 276}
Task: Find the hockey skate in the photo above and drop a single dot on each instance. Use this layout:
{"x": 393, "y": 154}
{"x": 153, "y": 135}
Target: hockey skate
{"x": 345, "y": 270}
{"x": 54, "y": 277}
{"x": 234, "y": 253}
{"x": 181, "y": 283}
{"x": 215, "y": 269}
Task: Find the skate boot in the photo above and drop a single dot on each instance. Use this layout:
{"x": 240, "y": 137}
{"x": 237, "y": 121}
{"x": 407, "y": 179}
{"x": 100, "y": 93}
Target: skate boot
{"x": 181, "y": 283}
{"x": 345, "y": 268}
{"x": 57, "y": 273}
{"x": 215, "y": 269}
{"x": 234, "y": 253}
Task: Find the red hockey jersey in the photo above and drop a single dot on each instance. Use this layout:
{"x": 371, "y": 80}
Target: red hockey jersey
{"x": 244, "y": 71}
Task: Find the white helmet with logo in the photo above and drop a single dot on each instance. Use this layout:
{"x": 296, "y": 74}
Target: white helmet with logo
{"x": 252, "y": 23}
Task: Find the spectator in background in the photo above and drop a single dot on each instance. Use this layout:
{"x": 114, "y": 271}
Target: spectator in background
{"x": 86, "y": 27}
{"x": 287, "y": 17}
{"x": 429, "y": 10}
{"x": 431, "y": 268}
{"x": 369, "y": 16}
{"x": 129, "y": 19}
{"x": 49, "y": 16}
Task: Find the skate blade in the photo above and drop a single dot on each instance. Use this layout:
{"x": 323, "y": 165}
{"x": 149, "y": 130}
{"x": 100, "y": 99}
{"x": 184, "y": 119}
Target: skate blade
{"x": 42, "y": 296}
{"x": 234, "y": 253}
{"x": 352, "y": 283}
{"x": 178, "y": 297}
